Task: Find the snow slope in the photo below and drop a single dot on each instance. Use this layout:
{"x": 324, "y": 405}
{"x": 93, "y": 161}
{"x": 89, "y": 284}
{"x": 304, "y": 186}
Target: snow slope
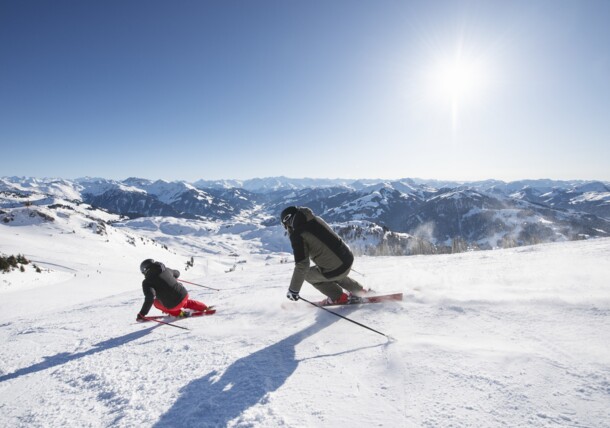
{"x": 513, "y": 337}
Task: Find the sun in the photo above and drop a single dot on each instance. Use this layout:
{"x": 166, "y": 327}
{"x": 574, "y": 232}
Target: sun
{"x": 459, "y": 78}
{"x": 458, "y": 83}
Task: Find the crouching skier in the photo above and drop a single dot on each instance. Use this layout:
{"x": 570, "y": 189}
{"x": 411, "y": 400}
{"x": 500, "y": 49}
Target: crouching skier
{"x": 162, "y": 289}
{"x": 311, "y": 238}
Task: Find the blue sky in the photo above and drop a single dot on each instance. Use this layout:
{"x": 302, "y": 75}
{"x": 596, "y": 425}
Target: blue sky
{"x": 183, "y": 90}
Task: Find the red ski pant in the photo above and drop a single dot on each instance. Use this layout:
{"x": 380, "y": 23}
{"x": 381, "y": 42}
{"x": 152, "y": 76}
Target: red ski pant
{"x": 186, "y": 303}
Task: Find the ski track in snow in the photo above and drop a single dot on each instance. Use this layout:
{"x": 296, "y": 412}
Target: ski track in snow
{"x": 501, "y": 338}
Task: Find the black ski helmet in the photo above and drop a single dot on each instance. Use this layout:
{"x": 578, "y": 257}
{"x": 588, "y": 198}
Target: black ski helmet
{"x": 287, "y": 216}
{"x": 145, "y": 265}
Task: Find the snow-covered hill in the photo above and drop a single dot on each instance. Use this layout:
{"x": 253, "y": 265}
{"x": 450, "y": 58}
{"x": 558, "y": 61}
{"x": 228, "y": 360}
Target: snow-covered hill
{"x": 515, "y": 337}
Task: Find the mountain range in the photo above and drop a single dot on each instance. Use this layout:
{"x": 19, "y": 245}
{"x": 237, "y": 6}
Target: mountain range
{"x": 405, "y": 216}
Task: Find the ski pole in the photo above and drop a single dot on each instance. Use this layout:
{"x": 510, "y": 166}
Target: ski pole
{"x": 346, "y": 318}
{"x": 166, "y": 323}
{"x": 359, "y": 273}
{"x": 198, "y": 285}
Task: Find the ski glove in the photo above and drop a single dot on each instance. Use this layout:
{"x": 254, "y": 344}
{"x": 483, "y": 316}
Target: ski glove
{"x": 292, "y": 295}
{"x": 140, "y": 318}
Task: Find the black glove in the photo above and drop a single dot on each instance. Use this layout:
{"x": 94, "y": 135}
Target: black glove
{"x": 292, "y": 295}
{"x": 140, "y": 318}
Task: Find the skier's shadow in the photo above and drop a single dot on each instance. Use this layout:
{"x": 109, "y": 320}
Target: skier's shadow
{"x": 213, "y": 401}
{"x": 65, "y": 357}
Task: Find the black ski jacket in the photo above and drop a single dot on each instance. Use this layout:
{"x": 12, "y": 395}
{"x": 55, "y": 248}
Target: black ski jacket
{"x": 160, "y": 282}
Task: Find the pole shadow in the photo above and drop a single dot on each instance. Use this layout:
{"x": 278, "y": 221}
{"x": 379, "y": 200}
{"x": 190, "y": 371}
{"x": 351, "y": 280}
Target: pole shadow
{"x": 213, "y": 401}
{"x": 65, "y": 357}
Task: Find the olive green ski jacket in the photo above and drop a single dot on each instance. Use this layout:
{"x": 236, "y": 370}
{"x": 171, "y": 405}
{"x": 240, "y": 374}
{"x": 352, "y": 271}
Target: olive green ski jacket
{"x": 311, "y": 238}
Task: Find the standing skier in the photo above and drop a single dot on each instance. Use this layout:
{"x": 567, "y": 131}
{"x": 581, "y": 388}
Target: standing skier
{"x": 311, "y": 238}
{"x": 161, "y": 289}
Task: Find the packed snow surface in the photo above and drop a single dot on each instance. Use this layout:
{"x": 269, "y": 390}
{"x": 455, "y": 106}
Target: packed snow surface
{"x": 516, "y": 337}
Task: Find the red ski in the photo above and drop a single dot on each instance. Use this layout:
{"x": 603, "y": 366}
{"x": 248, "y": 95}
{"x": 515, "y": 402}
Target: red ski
{"x": 209, "y": 311}
{"x": 366, "y": 299}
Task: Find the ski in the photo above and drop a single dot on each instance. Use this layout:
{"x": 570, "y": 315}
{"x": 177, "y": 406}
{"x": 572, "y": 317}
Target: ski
{"x": 366, "y": 299}
{"x": 209, "y": 311}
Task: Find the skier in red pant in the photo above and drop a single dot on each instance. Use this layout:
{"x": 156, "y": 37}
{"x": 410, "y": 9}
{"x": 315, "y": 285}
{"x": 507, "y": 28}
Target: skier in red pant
{"x": 162, "y": 290}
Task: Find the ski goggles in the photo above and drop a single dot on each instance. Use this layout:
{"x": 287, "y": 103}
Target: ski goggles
{"x": 288, "y": 221}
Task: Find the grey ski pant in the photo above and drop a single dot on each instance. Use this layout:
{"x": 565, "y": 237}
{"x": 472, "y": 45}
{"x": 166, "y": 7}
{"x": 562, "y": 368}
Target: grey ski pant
{"x": 332, "y": 287}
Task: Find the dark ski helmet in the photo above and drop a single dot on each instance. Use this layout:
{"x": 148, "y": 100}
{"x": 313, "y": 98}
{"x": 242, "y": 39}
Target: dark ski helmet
{"x": 287, "y": 217}
{"x": 145, "y": 265}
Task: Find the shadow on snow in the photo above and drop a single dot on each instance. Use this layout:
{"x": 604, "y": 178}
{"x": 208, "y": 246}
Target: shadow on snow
{"x": 215, "y": 400}
{"x": 65, "y": 357}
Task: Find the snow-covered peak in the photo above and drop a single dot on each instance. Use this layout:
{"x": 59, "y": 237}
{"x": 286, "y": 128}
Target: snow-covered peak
{"x": 58, "y": 187}
{"x": 458, "y": 194}
{"x": 166, "y": 191}
{"x": 218, "y": 184}
{"x": 592, "y": 186}
{"x": 98, "y": 186}
{"x": 272, "y": 184}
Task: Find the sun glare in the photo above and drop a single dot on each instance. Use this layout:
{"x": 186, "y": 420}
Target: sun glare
{"x": 459, "y": 78}
{"x": 458, "y": 83}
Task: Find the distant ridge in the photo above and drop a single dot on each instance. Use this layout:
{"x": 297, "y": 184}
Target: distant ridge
{"x": 444, "y": 215}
